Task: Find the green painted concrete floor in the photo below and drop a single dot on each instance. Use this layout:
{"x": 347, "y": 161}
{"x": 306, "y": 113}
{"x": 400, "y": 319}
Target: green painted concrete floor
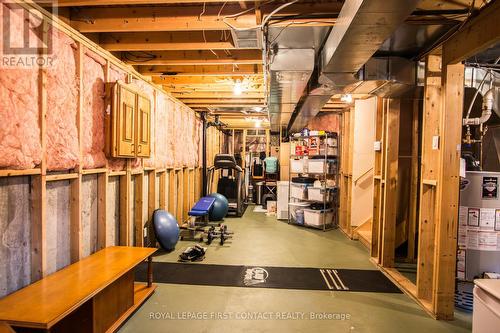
{"x": 264, "y": 241}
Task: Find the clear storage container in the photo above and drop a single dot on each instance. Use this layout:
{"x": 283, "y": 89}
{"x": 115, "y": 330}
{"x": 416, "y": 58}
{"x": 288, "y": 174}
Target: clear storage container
{"x": 315, "y": 217}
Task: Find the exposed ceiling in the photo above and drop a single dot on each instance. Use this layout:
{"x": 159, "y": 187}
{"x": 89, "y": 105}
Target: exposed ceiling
{"x": 199, "y": 50}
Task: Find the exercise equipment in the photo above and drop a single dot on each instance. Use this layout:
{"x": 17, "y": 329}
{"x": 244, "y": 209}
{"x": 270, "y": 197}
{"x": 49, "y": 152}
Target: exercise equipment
{"x": 223, "y": 234}
{"x": 230, "y": 183}
{"x": 166, "y": 229}
{"x": 198, "y": 219}
{"x": 220, "y": 207}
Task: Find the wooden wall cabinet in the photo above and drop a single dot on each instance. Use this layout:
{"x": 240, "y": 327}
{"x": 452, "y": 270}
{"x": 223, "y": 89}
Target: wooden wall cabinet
{"x": 129, "y": 124}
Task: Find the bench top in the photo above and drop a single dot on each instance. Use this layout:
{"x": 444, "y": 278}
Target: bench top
{"x": 47, "y": 301}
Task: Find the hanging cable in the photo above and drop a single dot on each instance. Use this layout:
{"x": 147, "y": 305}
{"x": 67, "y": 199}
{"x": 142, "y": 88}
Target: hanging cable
{"x": 260, "y": 26}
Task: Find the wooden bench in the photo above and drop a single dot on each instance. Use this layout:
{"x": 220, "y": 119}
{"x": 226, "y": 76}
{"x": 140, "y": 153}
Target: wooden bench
{"x": 96, "y": 294}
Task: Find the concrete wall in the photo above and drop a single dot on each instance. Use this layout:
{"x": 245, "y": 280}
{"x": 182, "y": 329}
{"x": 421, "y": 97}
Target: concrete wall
{"x": 363, "y": 160}
{"x": 15, "y": 234}
{"x": 89, "y": 214}
{"x": 113, "y": 211}
{"x": 58, "y": 225}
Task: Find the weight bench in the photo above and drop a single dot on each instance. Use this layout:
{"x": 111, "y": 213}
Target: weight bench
{"x": 194, "y": 226}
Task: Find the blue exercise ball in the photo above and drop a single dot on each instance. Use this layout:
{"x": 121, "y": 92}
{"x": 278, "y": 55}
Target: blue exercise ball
{"x": 220, "y": 208}
{"x": 166, "y": 229}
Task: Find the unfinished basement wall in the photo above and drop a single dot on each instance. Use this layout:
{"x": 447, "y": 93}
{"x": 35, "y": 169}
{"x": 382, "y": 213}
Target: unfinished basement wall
{"x": 55, "y": 178}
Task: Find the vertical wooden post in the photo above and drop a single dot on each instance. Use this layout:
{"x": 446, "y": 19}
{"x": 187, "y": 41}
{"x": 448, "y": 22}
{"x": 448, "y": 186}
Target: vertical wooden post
{"x": 76, "y": 184}
{"x": 377, "y": 181}
{"x": 172, "y": 186}
{"x": 448, "y": 192}
{"x": 163, "y": 190}
{"x": 390, "y": 179}
{"x": 102, "y": 193}
{"x": 139, "y": 209}
{"x": 429, "y": 176}
{"x": 413, "y": 213}
{"x": 185, "y": 194}
{"x": 179, "y": 195}
{"x": 346, "y": 170}
{"x": 151, "y": 204}
{"x": 125, "y": 208}
{"x": 38, "y": 185}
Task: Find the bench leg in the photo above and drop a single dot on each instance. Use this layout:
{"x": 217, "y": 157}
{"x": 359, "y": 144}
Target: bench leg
{"x": 150, "y": 271}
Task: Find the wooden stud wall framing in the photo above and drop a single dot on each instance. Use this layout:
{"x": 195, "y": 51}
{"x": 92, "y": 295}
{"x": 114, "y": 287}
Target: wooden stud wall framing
{"x": 187, "y": 182}
{"x": 378, "y": 185}
{"x": 346, "y": 171}
{"x": 385, "y": 185}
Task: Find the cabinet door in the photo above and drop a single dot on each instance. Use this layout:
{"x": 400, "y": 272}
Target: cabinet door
{"x": 143, "y": 134}
{"x": 126, "y": 109}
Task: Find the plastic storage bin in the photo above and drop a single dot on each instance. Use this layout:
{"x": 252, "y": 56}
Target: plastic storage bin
{"x": 299, "y": 191}
{"x": 320, "y": 166}
{"x": 297, "y": 166}
{"x": 297, "y": 211}
{"x": 320, "y": 194}
{"x": 486, "y": 315}
{"x": 315, "y": 217}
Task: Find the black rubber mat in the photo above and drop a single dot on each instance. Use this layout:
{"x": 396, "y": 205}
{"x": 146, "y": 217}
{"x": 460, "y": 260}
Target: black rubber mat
{"x": 269, "y": 277}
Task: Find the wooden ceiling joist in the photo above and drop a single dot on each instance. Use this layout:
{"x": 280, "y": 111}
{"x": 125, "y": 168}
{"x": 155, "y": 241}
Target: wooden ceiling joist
{"x": 82, "y": 3}
{"x": 201, "y": 70}
{"x": 223, "y": 101}
{"x": 217, "y": 94}
{"x": 185, "y": 18}
{"x": 224, "y": 105}
{"x": 476, "y": 35}
{"x": 173, "y": 18}
{"x": 168, "y": 40}
{"x": 191, "y": 57}
{"x": 206, "y": 80}
{"x": 218, "y": 89}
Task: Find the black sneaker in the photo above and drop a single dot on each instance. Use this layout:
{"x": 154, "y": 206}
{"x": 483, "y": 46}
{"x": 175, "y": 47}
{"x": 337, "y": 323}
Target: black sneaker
{"x": 196, "y": 253}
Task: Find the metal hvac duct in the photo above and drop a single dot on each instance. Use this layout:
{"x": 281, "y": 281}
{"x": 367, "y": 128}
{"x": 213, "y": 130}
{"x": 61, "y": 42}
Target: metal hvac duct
{"x": 290, "y": 70}
{"x": 360, "y": 30}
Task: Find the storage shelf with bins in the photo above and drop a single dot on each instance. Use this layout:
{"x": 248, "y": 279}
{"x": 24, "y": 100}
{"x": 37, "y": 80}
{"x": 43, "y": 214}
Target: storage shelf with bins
{"x": 313, "y": 159}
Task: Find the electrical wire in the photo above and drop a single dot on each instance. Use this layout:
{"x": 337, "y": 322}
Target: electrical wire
{"x": 203, "y": 11}
{"x": 260, "y": 26}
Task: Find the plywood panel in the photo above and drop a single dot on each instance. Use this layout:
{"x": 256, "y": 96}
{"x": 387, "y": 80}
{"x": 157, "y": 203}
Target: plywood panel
{"x": 89, "y": 214}
{"x": 15, "y": 256}
{"x": 58, "y": 225}
{"x": 113, "y": 212}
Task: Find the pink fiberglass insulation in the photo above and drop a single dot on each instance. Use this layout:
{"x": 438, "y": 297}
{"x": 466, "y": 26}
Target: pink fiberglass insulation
{"x": 20, "y": 146}
{"x": 160, "y": 120}
{"x": 191, "y": 136}
{"x": 116, "y": 74}
{"x": 325, "y": 121}
{"x": 169, "y": 128}
{"x": 62, "y": 101}
{"x": 93, "y": 111}
{"x": 19, "y": 133}
{"x": 178, "y": 141}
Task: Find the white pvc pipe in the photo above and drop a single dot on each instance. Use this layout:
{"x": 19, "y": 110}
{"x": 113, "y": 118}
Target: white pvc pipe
{"x": 488, "y": 101}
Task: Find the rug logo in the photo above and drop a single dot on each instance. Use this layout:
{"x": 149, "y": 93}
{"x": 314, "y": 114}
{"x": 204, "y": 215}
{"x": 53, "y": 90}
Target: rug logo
{"x": 26, "y": 35}
{"x": 255, "y": 275}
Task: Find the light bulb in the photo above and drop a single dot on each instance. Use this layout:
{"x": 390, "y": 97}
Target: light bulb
{"x": 347, "y": 98}
{"x": 238, "y": 88}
